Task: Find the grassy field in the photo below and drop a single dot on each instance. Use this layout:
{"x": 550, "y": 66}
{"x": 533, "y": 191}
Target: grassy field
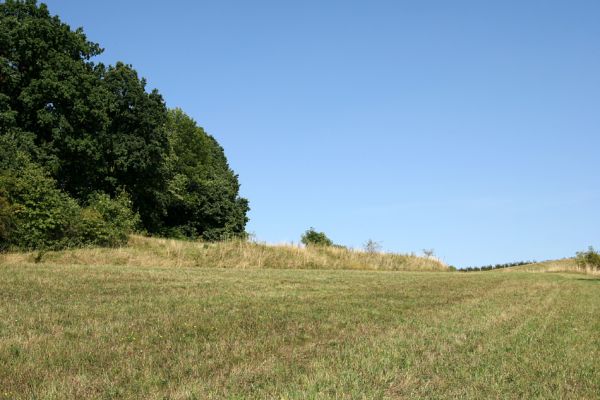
{"x": 142, "y": 251}
{"x": 73, "y": 331}
{"x": 563, "y": 265}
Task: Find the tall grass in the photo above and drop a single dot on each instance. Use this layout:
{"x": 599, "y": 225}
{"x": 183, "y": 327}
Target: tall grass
{"x": 142, "y": 251}
{"x": 563, "y": 265}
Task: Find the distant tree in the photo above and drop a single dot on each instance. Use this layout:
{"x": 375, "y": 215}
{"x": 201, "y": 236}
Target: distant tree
{"x": 372, "y": 246}
{"x": 496, "y": 266}
{"x": 428, "y": 252}
{"x": 313, "y": 238}
{"x": 588, "y": 259}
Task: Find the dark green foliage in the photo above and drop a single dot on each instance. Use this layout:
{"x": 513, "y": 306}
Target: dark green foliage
{"x": 203, "y": 191}
{"x": 87, "y": 129}
{"x": 9, "y": 164}
{"x": 496, "y": 266}
{"x": 106, "y": 221}
{"x": 35, "y": 214}
{"x": 136, "y": 145}
{"x": 48, "y": 87}
{"x": 43, "y": 216}
{"x": 95, "y": 128}
{"x": 6, "y": 222}
{"x": 313, "y": 238}
{"x": 588, "y": 259}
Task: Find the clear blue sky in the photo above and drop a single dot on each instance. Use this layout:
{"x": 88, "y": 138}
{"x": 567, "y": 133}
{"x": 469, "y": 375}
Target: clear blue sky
{"x": 470, "y": 127}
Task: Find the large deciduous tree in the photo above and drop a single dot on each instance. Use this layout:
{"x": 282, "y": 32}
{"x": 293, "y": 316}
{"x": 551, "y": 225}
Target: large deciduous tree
{"x": 203, "y": 191}
{"x": 97, "y": 129}
{"x": 135, "y": 144}
{"x": 49, "y": 88}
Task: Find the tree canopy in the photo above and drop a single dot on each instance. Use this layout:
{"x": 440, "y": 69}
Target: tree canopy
{"x": 203, "y": 191}
{"x": 92, "y": 129}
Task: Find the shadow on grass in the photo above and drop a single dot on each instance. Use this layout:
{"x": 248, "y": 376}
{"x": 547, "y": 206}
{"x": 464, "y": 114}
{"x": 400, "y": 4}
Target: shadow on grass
{"x": 590, "y": 280}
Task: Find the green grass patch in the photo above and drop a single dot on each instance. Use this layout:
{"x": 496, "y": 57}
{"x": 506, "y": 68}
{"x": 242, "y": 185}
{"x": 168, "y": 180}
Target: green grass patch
{"x": 123, "y": 332}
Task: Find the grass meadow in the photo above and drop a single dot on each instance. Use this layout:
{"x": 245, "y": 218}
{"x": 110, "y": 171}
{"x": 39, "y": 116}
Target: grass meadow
{"x": 96, "y": 330}
{"x": 239, "y": 254}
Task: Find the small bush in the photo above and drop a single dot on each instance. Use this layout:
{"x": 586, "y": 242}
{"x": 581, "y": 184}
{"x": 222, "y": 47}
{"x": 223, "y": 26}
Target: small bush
{"x": 36, "y": 215}
{"x": 313, "y": 238}
{"x": 588, "y": 259}
{"x": 106, "y": 221}
{"x": 43, "y": 216}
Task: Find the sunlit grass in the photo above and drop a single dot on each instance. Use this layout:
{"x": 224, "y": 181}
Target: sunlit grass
{"x": 138, "y": 331}
{"x": 142, "y": 251}
{"x": 563, "y": 265}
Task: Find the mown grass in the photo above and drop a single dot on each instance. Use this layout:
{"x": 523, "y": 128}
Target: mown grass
{"x": 119, "y": 331}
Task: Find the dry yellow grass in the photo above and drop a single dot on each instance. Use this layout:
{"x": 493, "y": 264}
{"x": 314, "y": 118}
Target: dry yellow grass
{"x": 563, "y": 265}
{"x": 143, "y": 251}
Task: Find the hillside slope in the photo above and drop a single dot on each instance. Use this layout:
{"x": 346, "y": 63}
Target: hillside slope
{"x": 154, "y": 252}
{"x": 562, "y": 265}
{"x": 128, "y": 332}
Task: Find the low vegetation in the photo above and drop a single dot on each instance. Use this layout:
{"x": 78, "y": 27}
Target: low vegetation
{"x": 34, "y": 214}
{"x": 152, "y": 252}
{"x": 563, "y": 265}
{"x": 151, "y": 330}
{"x": 314, "y": 238}
{"x": 589, "y": 259}
{"x": 584, "y": 262}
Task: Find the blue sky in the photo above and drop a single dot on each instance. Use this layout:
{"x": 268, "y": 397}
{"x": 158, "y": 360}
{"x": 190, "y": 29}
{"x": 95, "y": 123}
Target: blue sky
{"x": 469, "y": 127}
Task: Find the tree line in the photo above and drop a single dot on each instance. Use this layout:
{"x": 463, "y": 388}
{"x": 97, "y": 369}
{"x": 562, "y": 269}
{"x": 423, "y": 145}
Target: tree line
{"x": 88, "y": 154}
{"x": 495, "y": 266}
